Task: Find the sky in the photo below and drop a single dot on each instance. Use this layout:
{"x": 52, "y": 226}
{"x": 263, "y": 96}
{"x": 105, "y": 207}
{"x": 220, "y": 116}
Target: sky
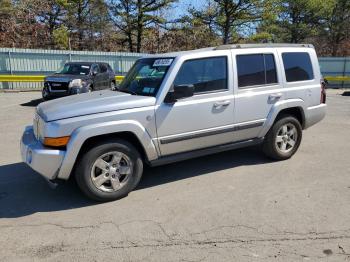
{"x": 182, "y": 6}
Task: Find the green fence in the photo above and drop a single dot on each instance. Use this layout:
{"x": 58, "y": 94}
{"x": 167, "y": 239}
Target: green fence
{"x": 335, "y": 68}
{"x": 37, "y": 62}
{"x": 15, "y": 61}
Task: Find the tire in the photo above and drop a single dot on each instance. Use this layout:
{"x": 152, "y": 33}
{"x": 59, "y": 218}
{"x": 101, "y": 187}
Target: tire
{"x": 45, "y": 94}
{"x": 90, "y": 171}
{"x": 112, "y": 86}
{"x": 283, "y": 139}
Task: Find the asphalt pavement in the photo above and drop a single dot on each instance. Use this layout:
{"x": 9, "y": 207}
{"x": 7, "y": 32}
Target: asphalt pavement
{"x": 232, "y": 206}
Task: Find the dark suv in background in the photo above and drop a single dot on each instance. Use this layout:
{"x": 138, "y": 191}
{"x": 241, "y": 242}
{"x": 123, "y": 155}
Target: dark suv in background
{"x": 78, "y": 77}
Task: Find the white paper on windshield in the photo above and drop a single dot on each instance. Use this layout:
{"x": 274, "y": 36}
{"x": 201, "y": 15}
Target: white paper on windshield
{"x": 85, "y": 67}
{"x": 163, "y": 62}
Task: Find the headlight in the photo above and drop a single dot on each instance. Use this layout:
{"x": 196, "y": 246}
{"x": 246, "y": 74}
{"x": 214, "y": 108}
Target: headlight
{"x": 76, "y": 83}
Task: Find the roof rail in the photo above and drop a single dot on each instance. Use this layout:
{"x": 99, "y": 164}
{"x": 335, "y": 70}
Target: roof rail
{"x": 271, "y": 45}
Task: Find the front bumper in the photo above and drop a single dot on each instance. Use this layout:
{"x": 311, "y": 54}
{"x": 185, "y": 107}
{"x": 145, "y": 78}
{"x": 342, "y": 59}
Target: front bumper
{"x": 45, "y": 161}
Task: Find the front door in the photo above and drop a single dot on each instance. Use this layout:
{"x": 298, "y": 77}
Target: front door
{"x": 205, "y": 119}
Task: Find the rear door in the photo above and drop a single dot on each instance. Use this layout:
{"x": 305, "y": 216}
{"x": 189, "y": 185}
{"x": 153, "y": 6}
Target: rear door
{"x": 258, "y": 87}
{"x": 301, "y": 74}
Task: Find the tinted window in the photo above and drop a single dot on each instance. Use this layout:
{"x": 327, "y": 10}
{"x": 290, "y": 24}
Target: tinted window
{"x": 255, "y": 70}
{"x": 103, "y": 68}
{"x": 270, "y": 66}
{"x": 207, "y": 74}
{"x": 297, "y": 66}
{"x": 251, "y": 70}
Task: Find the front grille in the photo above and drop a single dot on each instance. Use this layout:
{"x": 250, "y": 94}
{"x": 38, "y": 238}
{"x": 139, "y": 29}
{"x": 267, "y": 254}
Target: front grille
{"x": 58, "y": 86}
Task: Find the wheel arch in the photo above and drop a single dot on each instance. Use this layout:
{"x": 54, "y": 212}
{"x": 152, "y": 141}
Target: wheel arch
{"x": 297, "y": 112}
{"x": 294, "y": 107}
{"x": 125, "y": 135}
{"x": 87, "y": 136}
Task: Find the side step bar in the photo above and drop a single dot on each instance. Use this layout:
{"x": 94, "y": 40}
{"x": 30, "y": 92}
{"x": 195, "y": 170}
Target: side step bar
{"x": 203, "y": 152}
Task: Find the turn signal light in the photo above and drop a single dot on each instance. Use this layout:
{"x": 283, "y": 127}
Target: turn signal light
{"x": 56, "y": 141}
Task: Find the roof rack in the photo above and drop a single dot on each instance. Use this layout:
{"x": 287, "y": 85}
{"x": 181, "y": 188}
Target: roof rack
{"x": 271, "y": 45}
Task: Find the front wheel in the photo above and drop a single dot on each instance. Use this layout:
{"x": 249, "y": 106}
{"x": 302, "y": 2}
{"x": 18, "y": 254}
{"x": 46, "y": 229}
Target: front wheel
{"x": 45, "y": 94}
{"x": 109, "y": 171}
{"x": 283, "y": 139}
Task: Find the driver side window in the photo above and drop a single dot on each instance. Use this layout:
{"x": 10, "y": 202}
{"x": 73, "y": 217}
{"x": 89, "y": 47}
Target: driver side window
{"x": 205, "y": 74}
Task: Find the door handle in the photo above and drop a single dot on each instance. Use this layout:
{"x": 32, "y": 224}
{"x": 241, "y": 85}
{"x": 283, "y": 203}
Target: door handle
{"x": 222, "y": 103}
{"x": 275, "y": 96}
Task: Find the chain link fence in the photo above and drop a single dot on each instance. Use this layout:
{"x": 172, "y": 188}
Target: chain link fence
{"x": 15, "y": 61}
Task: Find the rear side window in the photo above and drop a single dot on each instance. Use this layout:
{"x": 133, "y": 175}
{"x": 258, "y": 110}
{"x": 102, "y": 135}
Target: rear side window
{"x": 206, "y": 74}
{"x": 103, "y": 68}
{"x": 256, "y": 70}
{"x": 297, "y": 66}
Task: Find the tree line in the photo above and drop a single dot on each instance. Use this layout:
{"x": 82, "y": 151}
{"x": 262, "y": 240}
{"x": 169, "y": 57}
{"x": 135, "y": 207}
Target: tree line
{"x": 159, "y": 26}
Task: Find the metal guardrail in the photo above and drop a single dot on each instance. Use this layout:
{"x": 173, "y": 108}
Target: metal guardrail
{"x": 33, "y": 78}
{"x": 338, "y": 78}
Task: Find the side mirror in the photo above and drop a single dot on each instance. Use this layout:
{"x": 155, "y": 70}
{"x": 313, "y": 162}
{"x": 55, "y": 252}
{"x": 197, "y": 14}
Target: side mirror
{"x": 180, "y": 91}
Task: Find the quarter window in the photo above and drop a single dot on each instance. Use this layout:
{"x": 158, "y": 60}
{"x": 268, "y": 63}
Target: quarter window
{"x": 206, "y": 74}
{"x": 256, "y": 70}
{"x": 103, "y": 68}
{"x": 297, "y": 66}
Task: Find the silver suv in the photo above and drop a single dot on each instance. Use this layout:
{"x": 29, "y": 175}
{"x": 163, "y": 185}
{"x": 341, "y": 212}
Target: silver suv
{"x": 176, "y": 106}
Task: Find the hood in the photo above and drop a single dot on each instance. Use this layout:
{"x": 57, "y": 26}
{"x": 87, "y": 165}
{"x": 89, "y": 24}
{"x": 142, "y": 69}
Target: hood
{"x": 91, "y": 103}
{"x": 64, "y": 78}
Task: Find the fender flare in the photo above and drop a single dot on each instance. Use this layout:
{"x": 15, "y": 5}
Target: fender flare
{"x": 277, "y": 108}
{"x": 81, "y": 134}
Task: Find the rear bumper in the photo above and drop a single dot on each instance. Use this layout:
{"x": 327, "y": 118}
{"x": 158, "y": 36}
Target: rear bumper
{"x": 45, "y": 161}
{"x": 315, "y": 114}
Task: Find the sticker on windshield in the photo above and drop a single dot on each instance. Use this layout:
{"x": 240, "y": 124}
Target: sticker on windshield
{"x": 163, "y": 62}
{"x": 85, "y": 67}
{"x": 148, "y": 90}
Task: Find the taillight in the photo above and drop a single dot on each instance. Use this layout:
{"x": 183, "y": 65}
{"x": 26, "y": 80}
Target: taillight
{"x": 323, "y": 92}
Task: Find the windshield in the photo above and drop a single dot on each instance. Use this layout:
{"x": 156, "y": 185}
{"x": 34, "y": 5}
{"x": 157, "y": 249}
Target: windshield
{"x": 146, "y": 76}
{"x": 74, "y": 69}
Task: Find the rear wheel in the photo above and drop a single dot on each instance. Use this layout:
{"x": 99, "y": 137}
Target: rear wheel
{"x": 109, "y": 171}
{"x": 283, "y": 139}
{"x": 113, "y": 86}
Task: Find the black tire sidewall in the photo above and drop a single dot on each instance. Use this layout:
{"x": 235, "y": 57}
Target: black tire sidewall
{"x": 84, "y": 167}
{"x": 270, "y": 147}
{"x": 47, "y": 97}
{"x": 112, "y": 86}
